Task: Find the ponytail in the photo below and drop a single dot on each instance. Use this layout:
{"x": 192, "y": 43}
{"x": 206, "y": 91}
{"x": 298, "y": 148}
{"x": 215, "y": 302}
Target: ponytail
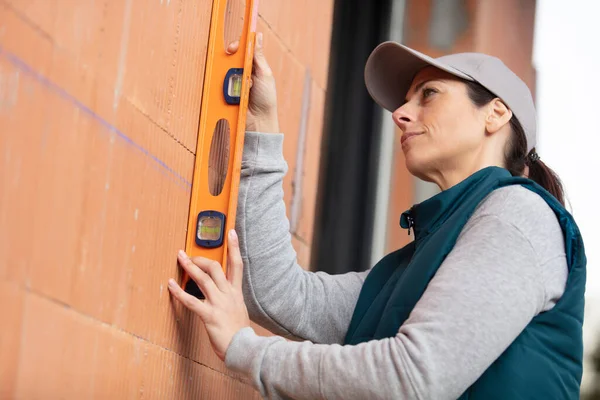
{"x": 546, "y": 178}
{"x": 516, "y": 160}
{"x": 516, "y": 157}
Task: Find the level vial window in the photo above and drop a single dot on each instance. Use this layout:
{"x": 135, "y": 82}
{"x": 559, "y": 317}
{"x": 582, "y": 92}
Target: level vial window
{"x": 209, "y": 230}
{"x": 235, "y": 85}
{"x": 232, "y": 85}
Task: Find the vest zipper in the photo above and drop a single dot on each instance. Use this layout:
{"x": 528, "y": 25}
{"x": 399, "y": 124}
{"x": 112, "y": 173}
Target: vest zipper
{"x": 411, "y": 222}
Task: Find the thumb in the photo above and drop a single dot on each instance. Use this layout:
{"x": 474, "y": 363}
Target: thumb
{"x": 260, "y": 62}
{"x": 235, "y": 268}
{"x": 258, "y": 47}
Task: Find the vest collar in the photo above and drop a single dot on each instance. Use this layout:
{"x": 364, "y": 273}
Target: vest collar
{"x": 427, "y": 216}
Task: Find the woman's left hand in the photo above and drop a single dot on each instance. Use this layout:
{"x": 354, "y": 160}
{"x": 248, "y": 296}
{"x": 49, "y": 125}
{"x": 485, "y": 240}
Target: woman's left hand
{"x": 223, "y": 311}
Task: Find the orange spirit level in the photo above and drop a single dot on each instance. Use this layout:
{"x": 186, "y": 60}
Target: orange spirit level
{"x": 220, "y": 139}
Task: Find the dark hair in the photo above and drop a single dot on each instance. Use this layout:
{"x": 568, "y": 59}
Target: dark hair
{"x": 515, "y": 155}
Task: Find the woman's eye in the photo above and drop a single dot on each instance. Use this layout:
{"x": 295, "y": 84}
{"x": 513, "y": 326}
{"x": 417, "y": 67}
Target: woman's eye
{"x": 428, "y": 92}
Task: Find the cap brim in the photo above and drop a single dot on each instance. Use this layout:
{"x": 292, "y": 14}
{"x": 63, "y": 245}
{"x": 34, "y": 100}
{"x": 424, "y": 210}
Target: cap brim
{"x": 390, "y": 69}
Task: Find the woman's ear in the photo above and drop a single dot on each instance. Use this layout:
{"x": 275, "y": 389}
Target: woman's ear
{"x": 498, "y": 116}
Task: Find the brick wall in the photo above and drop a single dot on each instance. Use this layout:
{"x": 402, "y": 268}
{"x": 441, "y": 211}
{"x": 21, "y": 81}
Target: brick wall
{"x": 99, "y": 109}
{"x": 296, "y": 41}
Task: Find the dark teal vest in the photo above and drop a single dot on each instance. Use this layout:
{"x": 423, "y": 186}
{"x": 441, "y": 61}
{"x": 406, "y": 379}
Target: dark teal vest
{"x": 545, "y": 360}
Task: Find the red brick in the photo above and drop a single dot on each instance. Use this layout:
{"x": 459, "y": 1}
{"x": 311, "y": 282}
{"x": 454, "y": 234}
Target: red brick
{"x": 99, "y": 191}
{"x": 214, "y": 385}
{"x": 417, "y": 23}
{"x": 305, "y": 29}
{"x": 187, "y": 336}
{"x": 54, "y": 348}
{"x": 319, "y": 34}
{"x": 289, "y": 77}
{"x": 97, "y": 45}
{"x": 41, "y": 13}
{"x": 312, "y": 156}
{"x": 17, "y": 175}
{"x": 70, "y": 355}
{"x": 513, "y": 46}
{"x": 11, "y": 309}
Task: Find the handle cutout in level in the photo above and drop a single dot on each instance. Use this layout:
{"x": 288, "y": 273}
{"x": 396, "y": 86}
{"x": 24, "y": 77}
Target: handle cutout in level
{"x": 218, "y": 159}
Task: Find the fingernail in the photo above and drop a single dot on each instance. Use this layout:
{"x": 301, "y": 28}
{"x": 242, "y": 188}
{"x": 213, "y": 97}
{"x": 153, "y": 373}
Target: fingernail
{"x": 260, "y": 38}
{"x": 172, "y": 283}
{"x": 182, "y": 254}
{"x": 232, "y": 234}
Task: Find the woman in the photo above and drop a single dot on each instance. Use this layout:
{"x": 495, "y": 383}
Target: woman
{"x": 486, "y": 303}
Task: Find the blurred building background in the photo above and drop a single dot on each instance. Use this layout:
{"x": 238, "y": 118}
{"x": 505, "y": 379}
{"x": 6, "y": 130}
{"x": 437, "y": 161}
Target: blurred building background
{"x": 567, "y": 60}
{"x": 99, "y": 109}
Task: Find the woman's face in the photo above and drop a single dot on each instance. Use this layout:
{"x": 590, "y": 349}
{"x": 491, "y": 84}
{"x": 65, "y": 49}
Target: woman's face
{"x": 441, "y": 128}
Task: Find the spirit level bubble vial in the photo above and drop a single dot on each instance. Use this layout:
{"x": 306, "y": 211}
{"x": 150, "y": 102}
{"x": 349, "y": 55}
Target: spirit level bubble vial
{"x": 210, "y": 228}
{"x": 232, "y": 87}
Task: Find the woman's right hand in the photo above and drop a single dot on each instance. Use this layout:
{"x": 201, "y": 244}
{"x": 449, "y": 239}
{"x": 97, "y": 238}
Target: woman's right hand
{"x": 262, "y": 104}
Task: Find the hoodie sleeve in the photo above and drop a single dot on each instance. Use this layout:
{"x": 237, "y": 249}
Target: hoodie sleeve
{"x": 280, "y": 295}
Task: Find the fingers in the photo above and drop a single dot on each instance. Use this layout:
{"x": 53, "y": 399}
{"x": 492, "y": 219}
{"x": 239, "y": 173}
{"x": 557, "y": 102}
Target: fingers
{"x": 235, "y": 272}
{"x": 189, "y": 301}
{"x": 202, "y": 279}
{"x": 213, "y": 270}
{"x": 261, "y": 66}
{"x": 233, "y": 47}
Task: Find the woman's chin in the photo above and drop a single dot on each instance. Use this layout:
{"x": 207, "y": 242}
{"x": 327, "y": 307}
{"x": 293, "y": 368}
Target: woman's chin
{"x": 417, "y": 167}
{"x": 413, "y": 164}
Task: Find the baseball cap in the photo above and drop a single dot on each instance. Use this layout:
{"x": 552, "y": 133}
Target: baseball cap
{"x": 391, "y": 67}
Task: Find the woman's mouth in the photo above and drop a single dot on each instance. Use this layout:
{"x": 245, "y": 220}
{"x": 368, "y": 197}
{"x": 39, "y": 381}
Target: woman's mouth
{"x": 409, "y": 135}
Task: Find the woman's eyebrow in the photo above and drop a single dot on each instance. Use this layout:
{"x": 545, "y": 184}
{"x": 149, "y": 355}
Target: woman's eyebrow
{"x": 419, "y": 86}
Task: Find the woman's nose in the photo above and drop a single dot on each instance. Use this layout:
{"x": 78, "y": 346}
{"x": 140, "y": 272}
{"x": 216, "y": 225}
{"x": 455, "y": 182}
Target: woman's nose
{"x": 402, "y": 117}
